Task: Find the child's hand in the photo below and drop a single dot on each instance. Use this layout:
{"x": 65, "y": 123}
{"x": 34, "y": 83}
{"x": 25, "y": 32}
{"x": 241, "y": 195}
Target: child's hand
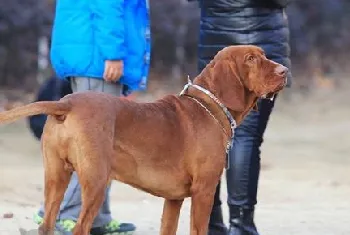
{"x": 113, "y": 70}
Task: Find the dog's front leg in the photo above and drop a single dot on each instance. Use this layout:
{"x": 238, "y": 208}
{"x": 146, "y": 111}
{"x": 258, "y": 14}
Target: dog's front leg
{"x": 170, "y": 217}
{"x": 201, "y": 206}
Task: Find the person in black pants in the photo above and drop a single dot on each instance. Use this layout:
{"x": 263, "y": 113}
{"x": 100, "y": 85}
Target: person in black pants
{"x": 51, "y": 90}
{"x": 239, "y": 22}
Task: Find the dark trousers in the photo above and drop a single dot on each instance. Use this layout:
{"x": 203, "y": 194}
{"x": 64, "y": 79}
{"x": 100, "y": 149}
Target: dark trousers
{"x": 243, "y": 174}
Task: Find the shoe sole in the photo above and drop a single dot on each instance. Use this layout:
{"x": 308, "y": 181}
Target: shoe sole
{"x": 119, "y": 233}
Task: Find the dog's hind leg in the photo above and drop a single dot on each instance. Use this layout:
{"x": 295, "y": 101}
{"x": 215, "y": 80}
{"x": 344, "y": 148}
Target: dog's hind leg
{"x": 170, "y": 217}
{"x": 56, "y": 182}
{"x": 93, "y": 176}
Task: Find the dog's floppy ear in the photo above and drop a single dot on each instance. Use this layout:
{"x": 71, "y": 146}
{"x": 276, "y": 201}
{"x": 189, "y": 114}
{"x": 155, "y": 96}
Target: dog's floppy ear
{"x": 227, "y": 85}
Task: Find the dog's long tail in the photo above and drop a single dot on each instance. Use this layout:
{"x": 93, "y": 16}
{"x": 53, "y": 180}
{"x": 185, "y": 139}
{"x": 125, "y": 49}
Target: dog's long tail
{"x": 57, "y": 108}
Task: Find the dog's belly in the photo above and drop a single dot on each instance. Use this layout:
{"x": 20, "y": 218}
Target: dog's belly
{"x": 161, "y": 183}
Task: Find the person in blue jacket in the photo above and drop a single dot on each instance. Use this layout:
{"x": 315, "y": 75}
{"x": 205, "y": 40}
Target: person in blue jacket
{"x": 100, "y": 46}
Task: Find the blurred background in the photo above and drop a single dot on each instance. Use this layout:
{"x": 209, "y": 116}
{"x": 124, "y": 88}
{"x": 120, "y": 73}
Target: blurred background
{"x": 319, "y": 41}
{"x": 305, "y": 179}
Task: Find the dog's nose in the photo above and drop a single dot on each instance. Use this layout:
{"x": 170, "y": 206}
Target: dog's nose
{"x": 281, "y": 70}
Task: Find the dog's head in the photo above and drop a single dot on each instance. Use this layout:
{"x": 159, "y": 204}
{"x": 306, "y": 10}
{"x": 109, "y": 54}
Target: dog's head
{"x": 240, "y": 74}
{"x": 260, "y": 75}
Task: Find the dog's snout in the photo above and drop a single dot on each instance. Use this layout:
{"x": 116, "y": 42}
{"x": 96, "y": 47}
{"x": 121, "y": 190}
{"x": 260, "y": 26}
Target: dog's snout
{"x": 281, "y": 70}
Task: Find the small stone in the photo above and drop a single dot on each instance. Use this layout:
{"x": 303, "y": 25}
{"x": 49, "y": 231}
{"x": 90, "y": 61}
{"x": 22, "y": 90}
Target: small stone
{"x": 8, "y": 215}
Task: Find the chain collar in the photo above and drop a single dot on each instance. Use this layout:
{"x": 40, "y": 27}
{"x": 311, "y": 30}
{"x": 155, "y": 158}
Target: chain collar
{"x": 216, "y": 100}
{"x": 209, "y": 112}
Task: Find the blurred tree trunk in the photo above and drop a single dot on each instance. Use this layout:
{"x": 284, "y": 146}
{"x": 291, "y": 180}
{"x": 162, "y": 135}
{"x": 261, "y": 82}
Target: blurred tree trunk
{"x": 180, "y": 42}
{"x": 22, "y": 24}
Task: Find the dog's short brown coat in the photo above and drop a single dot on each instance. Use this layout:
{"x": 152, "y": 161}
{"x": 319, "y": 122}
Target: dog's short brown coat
{"x": 172, "y": 148}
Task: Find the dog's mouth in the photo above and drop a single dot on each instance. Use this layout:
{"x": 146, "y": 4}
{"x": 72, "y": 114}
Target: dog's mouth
{"x": 270, "y": 96}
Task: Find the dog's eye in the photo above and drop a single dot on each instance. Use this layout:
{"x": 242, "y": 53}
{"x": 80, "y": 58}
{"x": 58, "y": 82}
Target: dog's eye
{"x": 250, "y": 58}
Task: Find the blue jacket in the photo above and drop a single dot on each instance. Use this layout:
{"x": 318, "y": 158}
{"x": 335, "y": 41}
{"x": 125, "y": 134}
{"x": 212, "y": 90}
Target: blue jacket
{"x": 88, "y": 32}
{"x": 237, "y": 22}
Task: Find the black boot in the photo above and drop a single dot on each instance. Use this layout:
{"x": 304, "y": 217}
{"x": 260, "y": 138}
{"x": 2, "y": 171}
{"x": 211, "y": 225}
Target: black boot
{"x": 216, "y": 223}
{"x": 242, "y": 221}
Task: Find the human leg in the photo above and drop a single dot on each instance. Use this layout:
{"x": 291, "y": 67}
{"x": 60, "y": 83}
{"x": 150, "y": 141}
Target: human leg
{"x": 243, "y": 175}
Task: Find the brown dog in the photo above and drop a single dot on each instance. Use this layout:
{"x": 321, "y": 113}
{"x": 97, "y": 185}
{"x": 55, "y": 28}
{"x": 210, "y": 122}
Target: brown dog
{"x": 172, "y": 148}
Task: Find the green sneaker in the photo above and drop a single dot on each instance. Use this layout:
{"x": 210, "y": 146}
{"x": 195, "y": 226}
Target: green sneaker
{"x": 112, "y": 228}
{"x": 62, "y": 226}
{"x": 38, "y": 219}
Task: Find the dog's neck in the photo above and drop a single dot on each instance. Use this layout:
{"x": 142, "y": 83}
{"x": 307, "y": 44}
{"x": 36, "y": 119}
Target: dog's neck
{"x": 251, "y": 102}
{"x": 213, "y": 107}
{"x": 249, "y": 99}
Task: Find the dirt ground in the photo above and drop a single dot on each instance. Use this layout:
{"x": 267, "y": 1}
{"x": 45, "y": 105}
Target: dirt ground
{"x": 304, "y": 186}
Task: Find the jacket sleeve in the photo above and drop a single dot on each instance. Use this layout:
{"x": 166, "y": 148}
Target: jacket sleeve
{"x": 108, "y": 23}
